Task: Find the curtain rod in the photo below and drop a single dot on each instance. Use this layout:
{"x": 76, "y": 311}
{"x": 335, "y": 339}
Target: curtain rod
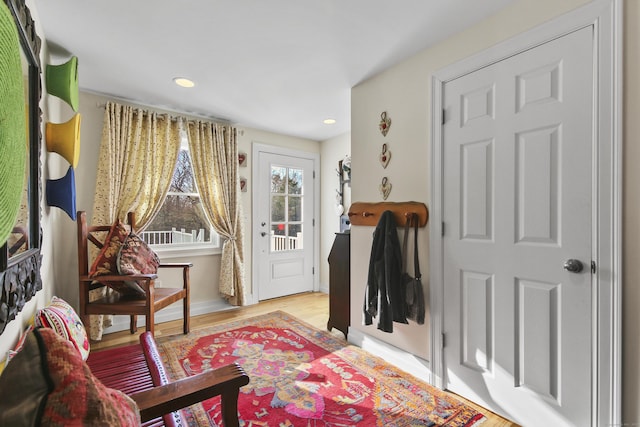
{"x": 167, "y": 113}
{"x": 165, "y": 110}
{"x": 173, "y": 119}
{"x": 172, "y": 114}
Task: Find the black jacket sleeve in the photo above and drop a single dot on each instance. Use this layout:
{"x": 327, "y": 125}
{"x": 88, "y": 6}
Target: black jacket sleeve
{"x": 385, "y": 293}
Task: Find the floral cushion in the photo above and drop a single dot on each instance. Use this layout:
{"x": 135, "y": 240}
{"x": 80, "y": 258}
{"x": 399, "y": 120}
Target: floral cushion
{"x": 56, "y": 387}
{"x": 63, "y": 319}
{"x": 106, "y": 261}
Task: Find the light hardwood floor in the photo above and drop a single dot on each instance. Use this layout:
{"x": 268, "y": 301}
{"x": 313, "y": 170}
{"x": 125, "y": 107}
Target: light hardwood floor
{"x": 313, "y": 308}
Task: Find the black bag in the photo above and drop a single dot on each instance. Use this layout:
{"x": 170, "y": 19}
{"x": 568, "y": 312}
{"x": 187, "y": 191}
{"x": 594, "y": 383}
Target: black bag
{"x": 414, "y": 292}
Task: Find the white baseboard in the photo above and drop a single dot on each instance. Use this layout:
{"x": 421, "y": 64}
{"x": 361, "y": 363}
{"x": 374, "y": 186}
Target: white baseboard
{"x": 324, "y": 288}
{"x": 416, "y": 366}
{"x": 174, "y": 312}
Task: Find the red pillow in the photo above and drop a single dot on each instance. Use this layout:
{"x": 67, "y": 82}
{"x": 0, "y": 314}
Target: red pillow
{"x": 106, "y": 261}
{"x": 49, "y": 384}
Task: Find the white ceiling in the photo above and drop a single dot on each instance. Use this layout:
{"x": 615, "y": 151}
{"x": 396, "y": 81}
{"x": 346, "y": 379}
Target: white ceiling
{"x": 276, "y": 65}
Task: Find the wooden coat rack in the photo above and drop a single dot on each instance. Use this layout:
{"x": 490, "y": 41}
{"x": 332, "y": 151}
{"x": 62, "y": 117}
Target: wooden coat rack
{"x": 365, "y": 213}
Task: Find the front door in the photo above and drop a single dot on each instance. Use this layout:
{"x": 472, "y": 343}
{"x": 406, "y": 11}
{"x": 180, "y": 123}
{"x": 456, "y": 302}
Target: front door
{"x": 285, "y": 232}
{"x": 518, "y": 233}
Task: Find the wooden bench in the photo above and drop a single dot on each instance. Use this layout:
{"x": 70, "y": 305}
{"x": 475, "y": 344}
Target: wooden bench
{"x": 138, "y": 371}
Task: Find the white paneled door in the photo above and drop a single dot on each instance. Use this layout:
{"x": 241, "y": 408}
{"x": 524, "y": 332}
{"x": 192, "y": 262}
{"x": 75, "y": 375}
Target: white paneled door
{"x": 285, "y": 236}
{"x": 518, "y": 154}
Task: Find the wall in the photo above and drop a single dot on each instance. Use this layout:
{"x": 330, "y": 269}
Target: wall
{"x": 404, "y": 91}
{"x": 332, "y": 151}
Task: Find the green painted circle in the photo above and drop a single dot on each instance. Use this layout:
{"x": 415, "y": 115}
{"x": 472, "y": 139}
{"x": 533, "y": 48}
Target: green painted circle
{"x": 13, "y": 124}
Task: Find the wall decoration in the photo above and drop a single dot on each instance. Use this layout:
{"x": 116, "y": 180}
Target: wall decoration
{"x": 64, "y": 139}
{"x": 61, "y": 193}
{"x": 243, "y": 184}
{"x": 20, "y": 274}
{"x": 62, "y": 81}
{"x": 242, "y": 159}
{"x": 13, "y": 150}
{"x": 385, "y": 123}
{"x": 385, "y": 156}
{"x": 385, "y": 188}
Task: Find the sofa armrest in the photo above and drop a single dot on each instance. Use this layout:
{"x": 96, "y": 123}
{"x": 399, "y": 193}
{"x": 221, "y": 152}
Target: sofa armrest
{"x": 225, "y": 382}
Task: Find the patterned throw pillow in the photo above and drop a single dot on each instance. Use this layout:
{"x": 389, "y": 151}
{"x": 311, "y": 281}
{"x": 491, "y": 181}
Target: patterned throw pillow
{"x": 56, "y": 387}
{"x": 106, "y": 261}
{"x": 136, "y": 257}
{"x": 63, "y": 319}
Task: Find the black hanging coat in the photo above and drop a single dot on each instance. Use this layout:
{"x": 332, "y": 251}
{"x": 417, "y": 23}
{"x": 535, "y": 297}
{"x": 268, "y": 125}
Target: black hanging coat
{"x": 385, "y": 296}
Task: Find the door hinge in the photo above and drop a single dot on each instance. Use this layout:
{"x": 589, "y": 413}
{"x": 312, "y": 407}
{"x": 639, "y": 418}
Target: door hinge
{"x": 442, "y": 228}
{"x": 444, "y": 116}
{"x": 313, "y": 270}
{"x": 444, "y": 340}
{"x": 593, "y": 267}
{"x": 313, "y": 222}
{"x": 314, "y": 174}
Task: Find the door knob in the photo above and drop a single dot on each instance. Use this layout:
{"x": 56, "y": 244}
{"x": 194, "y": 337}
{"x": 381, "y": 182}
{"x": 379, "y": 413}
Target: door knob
{"x": 573, "y": 266}
{"x": 263, "y": 234}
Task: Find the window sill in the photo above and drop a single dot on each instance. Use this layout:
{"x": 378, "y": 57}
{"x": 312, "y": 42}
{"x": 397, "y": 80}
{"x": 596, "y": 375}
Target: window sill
{"x": 185, "y": 251}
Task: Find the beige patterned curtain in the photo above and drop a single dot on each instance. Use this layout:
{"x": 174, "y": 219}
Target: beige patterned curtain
{"x": 214, "y": 155}
{"x": 138, "y": 154}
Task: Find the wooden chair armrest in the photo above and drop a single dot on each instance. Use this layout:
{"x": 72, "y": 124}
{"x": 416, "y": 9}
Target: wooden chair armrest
{"x": 186, "y": 268}
{"x": 176, "y": 265}
{"x": 225, "y": 381}
{"x": 119, "y": 277}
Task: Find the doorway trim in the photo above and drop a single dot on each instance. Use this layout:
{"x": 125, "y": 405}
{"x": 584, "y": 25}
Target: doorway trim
{"x": 256, "y": 150}
{"x": 606, "y": 18}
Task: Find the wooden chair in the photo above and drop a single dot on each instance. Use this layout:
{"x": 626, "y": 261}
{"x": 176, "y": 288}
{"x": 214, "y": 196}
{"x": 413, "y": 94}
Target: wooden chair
{"x": 156, "y": 298}
{"x": 138, "y": 371}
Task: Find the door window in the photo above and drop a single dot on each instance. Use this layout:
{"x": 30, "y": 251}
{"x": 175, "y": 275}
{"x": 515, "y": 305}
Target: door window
{"x": 286, "y": 208}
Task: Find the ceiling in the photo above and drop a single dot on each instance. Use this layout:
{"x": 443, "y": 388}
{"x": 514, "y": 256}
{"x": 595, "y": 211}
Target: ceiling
{"x": 276, "y": 65}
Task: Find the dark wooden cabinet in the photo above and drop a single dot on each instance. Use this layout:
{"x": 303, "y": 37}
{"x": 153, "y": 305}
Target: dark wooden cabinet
{"x": 339, "y": 283}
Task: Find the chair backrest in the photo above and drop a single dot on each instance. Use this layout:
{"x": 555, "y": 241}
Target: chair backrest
{"x": 94, "y": 234}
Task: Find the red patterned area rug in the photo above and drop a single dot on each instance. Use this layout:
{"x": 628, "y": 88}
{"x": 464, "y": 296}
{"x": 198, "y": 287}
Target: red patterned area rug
{"x": 305, "y": 377}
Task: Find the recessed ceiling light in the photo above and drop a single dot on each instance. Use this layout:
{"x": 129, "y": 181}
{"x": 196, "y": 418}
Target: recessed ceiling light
{"x": 181, "y": 81}
{"x": 329, "y": 121}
